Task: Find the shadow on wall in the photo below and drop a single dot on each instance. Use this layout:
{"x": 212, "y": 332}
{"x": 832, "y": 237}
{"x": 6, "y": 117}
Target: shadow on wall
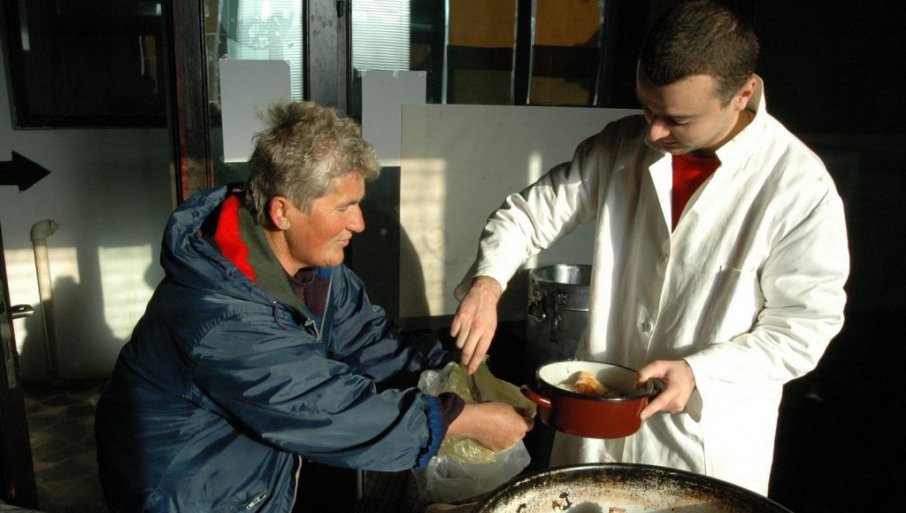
{"x": 35, "y": 356}
{"x": 87, "y": 345}
{"x": 383, "y": 256}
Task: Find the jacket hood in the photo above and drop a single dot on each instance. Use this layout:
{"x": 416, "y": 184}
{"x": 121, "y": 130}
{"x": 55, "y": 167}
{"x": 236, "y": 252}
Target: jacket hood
{"x": 190, "y": 258}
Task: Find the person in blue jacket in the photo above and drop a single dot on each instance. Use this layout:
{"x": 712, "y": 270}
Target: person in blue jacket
{"x": 260, "y": 348}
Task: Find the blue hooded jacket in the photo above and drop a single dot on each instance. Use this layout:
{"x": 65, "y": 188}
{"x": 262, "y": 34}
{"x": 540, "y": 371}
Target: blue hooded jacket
{"x": 226, "y": 383}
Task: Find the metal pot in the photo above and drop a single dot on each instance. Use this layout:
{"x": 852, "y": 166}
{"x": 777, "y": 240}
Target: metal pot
{"x": 597, "y": 488}
{"x": 558, "y": 308}
{"x": 585, "y": 415}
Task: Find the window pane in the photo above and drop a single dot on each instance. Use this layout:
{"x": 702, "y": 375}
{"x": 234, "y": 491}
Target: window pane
{"x": 254, "y": 30}
{"x": 248, "y": 30}
{"x": 85, "y": 63}
{"x": 565, "y": 52}
{"x": 480, "y": 51}
{"x": 380, "y": 35}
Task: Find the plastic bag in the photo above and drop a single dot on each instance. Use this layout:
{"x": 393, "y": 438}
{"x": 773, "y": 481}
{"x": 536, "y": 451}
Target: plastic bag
{"x": 464, "y": 469}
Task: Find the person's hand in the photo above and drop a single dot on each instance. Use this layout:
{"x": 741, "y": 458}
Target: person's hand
{"x": 679, "y": 383}
{"x": 495, "y": 425}
{"x": 476, "y": 320}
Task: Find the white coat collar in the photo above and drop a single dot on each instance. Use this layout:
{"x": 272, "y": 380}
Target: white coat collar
{"x": 738, "y": 148}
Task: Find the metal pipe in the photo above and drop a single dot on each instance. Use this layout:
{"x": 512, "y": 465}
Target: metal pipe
{"x": 39, "y": 233}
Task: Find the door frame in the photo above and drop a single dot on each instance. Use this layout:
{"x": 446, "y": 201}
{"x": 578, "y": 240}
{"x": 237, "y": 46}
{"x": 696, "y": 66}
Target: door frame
{"x": 17, "y": 474}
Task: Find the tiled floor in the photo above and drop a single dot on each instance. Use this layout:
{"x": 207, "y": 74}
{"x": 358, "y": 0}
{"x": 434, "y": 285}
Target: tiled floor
{"x": 61, "y": 427}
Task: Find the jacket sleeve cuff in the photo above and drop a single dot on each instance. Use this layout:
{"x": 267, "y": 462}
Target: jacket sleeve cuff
{"x": 442, "y": 411}
{"x": 451, "y": 405}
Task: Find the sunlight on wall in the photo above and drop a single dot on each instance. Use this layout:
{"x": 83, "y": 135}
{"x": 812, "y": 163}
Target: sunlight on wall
{"x": 124, "y": 290}
{"x": 423, "y": 190}
{"x": 461, "y": 161}
{"x": 23, "y": 280}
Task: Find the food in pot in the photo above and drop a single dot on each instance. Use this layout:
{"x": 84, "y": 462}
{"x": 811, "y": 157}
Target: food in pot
{"x": 586, "y": 383}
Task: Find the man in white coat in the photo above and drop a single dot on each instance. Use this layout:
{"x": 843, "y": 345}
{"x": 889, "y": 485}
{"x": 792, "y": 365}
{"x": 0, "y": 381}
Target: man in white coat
{"x": 720, "y": 256}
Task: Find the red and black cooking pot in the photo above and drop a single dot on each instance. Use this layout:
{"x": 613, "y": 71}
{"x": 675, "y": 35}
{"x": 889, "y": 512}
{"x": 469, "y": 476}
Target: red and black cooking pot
{"x": 586, "y": 415}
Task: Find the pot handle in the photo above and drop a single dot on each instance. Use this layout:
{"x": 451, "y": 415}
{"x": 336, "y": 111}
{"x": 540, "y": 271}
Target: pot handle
{"x": 542, "y": 402}
{"x": 657, "y": 386}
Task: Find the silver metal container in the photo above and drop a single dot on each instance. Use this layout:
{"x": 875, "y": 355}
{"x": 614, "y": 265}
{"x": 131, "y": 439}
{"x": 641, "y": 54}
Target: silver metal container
{"x": 558, "y": 300}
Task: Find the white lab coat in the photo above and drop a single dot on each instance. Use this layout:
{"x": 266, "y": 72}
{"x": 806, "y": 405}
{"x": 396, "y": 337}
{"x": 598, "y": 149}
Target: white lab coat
{"x": 748, "y": 289}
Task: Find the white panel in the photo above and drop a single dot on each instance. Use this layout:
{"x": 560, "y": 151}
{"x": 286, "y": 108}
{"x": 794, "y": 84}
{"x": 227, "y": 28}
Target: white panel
{"x": 247, "y": 88}
{"x": 383, "y": 94}
{"x": 458, "y": 164}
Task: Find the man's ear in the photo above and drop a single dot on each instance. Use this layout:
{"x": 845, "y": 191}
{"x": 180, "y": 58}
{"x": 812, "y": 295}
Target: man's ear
{"x": 745, "y": 93}
{"x": 277, "y": 211}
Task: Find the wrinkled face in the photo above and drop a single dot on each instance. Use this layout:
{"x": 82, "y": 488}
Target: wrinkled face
{"x": 687, "y": 115}
{"x": 319, "y": 237}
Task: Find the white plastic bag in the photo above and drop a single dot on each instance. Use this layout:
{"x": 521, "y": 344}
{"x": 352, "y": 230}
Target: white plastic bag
{"x": 463, "y": 469}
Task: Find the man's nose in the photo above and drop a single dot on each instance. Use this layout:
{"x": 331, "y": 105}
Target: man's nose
{"x": 657, "y": 129}
{"x": 356, "y": 222}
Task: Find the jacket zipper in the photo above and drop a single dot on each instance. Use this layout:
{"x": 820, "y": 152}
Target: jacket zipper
{"x": 255, "y": 501}
{"x": 310, "y": 322}
{"x": 319, "y": 331}
{"x": 296, "y": 475}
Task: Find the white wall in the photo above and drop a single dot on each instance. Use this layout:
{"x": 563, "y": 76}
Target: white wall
{"x": 458, "y": 164}
{"x": 109, "y": 190}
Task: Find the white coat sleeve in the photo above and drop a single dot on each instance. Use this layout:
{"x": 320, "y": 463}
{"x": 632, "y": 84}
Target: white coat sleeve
{"x": 533, "y": 219}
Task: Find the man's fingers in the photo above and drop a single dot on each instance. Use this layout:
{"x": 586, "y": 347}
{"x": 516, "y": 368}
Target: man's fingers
{"x": 479, "y": 350}
{"x": 470, "y": 352}
{"x": 648, "y": 410}
{"x": 462, "y": 337}
{"x": 454, "y": 329}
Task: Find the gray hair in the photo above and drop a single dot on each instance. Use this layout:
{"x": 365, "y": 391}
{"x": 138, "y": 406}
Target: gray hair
{"x": 305, "y": 149}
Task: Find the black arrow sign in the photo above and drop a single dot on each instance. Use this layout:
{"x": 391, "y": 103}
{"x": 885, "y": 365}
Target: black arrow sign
{"x": 21, "y": 172}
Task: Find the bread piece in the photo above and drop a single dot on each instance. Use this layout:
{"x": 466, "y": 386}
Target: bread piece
{"x": 588, "y": 384}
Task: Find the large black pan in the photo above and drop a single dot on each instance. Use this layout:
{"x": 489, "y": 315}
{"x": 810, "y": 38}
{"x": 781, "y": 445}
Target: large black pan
{"x": 605, "y": 488}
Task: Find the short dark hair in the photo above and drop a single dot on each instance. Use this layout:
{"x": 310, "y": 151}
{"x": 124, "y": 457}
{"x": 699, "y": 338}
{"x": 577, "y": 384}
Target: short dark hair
{"x": 700, "y": 37}
{"x": 304, "y": 149}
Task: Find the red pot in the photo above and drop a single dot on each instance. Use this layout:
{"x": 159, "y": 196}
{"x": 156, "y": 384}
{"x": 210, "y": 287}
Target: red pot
{"x": 586, "y": 415}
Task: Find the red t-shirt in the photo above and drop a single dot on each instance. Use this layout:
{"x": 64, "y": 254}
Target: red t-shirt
{"x": 689, "y": 173}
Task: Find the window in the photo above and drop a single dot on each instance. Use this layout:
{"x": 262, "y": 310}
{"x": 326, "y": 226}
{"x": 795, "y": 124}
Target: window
{"x": 538, "y": 52}
{"x": 85, "y": 63}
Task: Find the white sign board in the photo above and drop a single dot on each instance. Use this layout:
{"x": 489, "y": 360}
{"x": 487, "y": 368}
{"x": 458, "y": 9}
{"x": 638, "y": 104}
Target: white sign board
{"x": 247, "y": 88}
{"x": 383, "y": 95}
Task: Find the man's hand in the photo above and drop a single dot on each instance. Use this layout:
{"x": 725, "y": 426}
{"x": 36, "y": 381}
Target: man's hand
{"x": 679, "y": 383}
{"x": 476, "y": 320}
{"x": 495, "y": 425}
